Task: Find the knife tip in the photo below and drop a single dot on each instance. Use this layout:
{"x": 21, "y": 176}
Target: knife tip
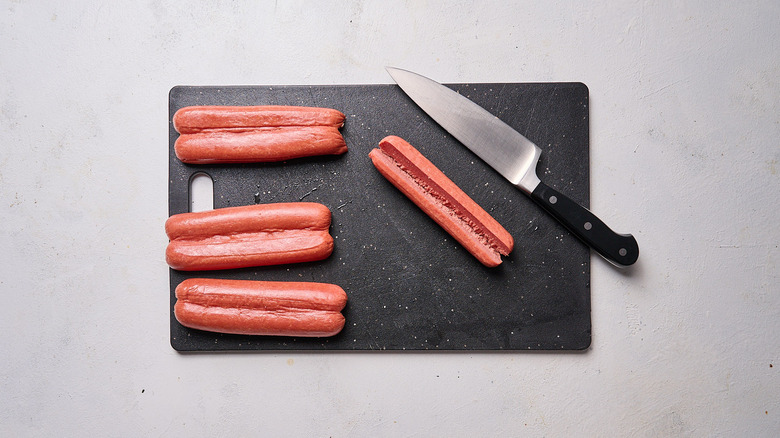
{"x": 391, "y": 70}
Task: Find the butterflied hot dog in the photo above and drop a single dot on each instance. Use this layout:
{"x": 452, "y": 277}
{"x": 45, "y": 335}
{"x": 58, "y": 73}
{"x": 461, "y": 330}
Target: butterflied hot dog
{"x": 427, "y": 186}
{"x": 260, "y": 307}
{"x": 254, "y": 235}
{"x": 249, "y": 134}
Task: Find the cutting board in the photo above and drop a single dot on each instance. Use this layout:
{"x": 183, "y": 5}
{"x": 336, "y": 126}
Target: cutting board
{"x": 410, "y": 285}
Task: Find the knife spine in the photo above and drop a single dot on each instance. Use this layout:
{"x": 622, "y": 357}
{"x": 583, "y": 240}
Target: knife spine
{"x": 442, "y": 200}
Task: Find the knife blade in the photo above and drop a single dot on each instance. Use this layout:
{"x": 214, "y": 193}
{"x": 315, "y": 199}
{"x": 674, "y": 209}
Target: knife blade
{"x": 515, "y": 157}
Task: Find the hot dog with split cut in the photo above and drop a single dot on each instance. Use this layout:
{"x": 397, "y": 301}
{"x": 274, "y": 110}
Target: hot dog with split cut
{"x": 272, "y": 308}
{"x": 253, "y": 235}
{"x": 251, "y": 134}
{"x": 441, "y": 199}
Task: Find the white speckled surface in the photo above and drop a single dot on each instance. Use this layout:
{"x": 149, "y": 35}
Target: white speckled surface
{"x": 684, "y": 154}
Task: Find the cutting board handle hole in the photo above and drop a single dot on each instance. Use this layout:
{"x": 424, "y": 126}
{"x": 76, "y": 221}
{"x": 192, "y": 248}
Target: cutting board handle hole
{"x": 201, "y": 192}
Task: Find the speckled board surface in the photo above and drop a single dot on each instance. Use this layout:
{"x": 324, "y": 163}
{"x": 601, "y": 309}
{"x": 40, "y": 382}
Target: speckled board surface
{"x": 410, "y": 285}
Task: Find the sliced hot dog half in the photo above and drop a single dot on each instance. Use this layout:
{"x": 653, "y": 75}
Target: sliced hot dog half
{"x": 273, "y": 308}
{"x": 441, "y": 199}
{"x": 253, "y": 235}
{"x": 248, "y": 134}
{"x": 259, "y": 145}
{"x": 192, "y": 119}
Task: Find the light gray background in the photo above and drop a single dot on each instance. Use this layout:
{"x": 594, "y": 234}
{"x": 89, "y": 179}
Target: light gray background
{"x": 684, "y": 155}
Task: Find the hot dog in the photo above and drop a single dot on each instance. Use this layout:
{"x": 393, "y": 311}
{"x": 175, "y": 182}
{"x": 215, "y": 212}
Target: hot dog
{"x": 260, "y": 307}
{"x": 427, "y": 186}
{"x": 259, "y": 145}
{"x": 249, "y": 134}
{"x": 254, "y": 235}
{"x": 192, "y": 119}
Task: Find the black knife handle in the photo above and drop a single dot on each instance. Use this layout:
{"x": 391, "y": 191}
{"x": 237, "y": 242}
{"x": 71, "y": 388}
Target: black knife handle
{"x": 620, "y": 249}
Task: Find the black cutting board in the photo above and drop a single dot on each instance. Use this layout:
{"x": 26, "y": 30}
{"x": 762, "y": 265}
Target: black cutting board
{"x": 410, "y": 285}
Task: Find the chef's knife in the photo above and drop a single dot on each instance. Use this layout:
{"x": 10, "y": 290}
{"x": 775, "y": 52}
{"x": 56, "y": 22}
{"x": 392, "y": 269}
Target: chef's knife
{"x": 515, "y": 157}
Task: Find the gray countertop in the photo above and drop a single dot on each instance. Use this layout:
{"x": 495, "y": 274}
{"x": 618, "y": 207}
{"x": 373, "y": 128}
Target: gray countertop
{"x": 684, "y": 154}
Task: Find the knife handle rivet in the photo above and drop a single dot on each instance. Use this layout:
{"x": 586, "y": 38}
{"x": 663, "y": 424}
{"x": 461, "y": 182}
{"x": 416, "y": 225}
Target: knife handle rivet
{"x": 622, "y": 252}
{"x": 588, "y": 225}
{"x": 553, "y": 199}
